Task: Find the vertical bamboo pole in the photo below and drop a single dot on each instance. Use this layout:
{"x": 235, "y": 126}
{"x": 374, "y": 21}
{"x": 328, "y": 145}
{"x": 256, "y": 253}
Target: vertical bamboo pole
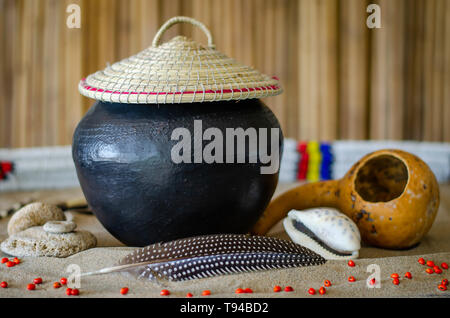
{"x": 50, "y": 105}
{"x": 150, "y": 21}
{"x": 247, "y": 33}
{"x": 327, "y": 84}
{"x": 72, "y": 75}
{"x": 353, "y": 69}
{"x": 430, "y": 17}
{"x": 413, "y": 71}
{"x": 281, "y": 60}
{"x": 5, "y": 56}
{"x": 446, "y": 81}
{"x": 437, "y": 122}
{"x": 293, "y": 29}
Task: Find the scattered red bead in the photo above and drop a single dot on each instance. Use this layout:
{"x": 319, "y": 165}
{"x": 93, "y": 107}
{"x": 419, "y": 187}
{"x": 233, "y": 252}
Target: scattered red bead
{"x": 68, "y": 291}
{"x": 164, "y": 292}
{"x": 429, "y": 270}
{"x": 4, "y": 260}
{"x": 189, "y": 295}
{"x": 248, "y": 291}
{"x": 445, "y": 282}
{"x": 430, "y": 263}
{"x": 37, "y": 281}
{"x": 206, "y": 293}
{"x": 396, "y": 281}
{"x": 16, "y": 260}
{"x": 74, "y": 292}
{"x": 312, "y": 291}
{"x": 31, "y": 286}
{"x": 4, "y": 285}
{"x": 438, "y": 270}
{"x": 442, "y": 287}
{"x": 327, "y": 283}
{"x": 63, "y": 281}
{"x": 239, "y": 291}
{"x": 10, "y": 264}
{"x": 372, "y": 281}
{"x": 56, "y": 285}
{"x": 394, "y": 275}
{"x": 408, "y": 275}
{"x": 124, "y": 290}
{"x": 322, "y": 290}
{"x": 277, "y": 289}
{"x": 351, "y": 263}
{"x": 351, "y": 279}
{"x": 288, "y": 289}
{"x": 421, "y": 261}
{"x": 444, "y": 265}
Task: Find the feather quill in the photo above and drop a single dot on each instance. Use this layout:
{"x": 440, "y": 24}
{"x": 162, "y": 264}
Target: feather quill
{"x": 212, "y": 255}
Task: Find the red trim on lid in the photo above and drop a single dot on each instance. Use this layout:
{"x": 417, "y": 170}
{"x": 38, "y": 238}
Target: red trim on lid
{"x": 225, "y": 91}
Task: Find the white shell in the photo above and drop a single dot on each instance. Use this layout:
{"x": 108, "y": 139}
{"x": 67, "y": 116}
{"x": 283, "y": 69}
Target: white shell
{"x": 330, "y": 226}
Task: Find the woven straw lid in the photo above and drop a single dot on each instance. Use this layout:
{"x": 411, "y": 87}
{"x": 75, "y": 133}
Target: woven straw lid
{"x": 178, "y": 71}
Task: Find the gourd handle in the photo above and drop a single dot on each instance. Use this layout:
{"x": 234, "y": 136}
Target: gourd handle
{"x": 310, "y": 195}
{"x": 180, "y": 19}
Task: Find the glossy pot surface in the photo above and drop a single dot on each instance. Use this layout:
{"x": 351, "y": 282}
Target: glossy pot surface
{"x": 123, "y": 154}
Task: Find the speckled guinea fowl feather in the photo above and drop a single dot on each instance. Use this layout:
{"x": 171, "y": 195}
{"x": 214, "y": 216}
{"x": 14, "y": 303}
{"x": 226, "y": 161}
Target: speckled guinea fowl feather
{"x": 212, "y": 255}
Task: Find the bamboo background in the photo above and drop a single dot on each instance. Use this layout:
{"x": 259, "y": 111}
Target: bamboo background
{"x": 342, "y": 80}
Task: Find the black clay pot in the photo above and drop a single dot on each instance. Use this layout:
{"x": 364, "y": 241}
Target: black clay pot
{"x": 122, "y": 154}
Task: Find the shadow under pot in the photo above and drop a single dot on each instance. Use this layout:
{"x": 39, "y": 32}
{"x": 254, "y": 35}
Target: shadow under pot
{"x": 155, "y": 173}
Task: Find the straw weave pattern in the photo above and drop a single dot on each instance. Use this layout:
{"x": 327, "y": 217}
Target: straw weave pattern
{"x": 178, "y": 71}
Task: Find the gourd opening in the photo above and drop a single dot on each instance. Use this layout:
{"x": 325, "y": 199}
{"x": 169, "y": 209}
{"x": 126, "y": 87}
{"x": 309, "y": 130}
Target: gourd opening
{"x": 382, "y": 179}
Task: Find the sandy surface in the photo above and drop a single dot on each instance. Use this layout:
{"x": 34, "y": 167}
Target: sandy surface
{"x": 435, "y": 246}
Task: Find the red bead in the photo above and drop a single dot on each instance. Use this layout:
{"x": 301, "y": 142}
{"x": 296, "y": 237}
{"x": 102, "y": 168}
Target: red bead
{"x": 206, "y": 293}
{"x": 312, "y": 291}
{"x": 408, "y": 275}
{"x": 288, "y": 289}
{"x": 63, "y": 281}
{"x": 10, "y": 264}
{"x": 421, "y": 261}
{"x": 4, "y": 285}
{"x": 351, "y": 279}
{"x": 189, "y": 295}
{"x": 277, "y": 289}
{"x": 37, "y": 281}
{"x": 239, "y": 291}
{"x": 164, "y": 292}
{"x": 322, "y": 291}
{"x": 394, "y": 275}
{"x": 429, "y": 270}
{"x": 372, "y": 281}
{"x": 444, "y": 265}
{"x": 4, "y": 260}
{"x": 68, "y": 291}
{"x": 16, "y": 260}
{"x": 395, "y": 281}
{"x": 56, "y": 285}
{"x": 444, "y": 282}
{"x": 74, "y": 292}
{"x": 327, "y": 283}
{"x": 31, "y": 286}
{"x": 438, "y": 270}
{"x": 351, "y": 263}
{"x": 430, "y": 263}
{"x": 248, "y": 291}
{"x": 442, "y": 287}
{"x": 124, "y": 290}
